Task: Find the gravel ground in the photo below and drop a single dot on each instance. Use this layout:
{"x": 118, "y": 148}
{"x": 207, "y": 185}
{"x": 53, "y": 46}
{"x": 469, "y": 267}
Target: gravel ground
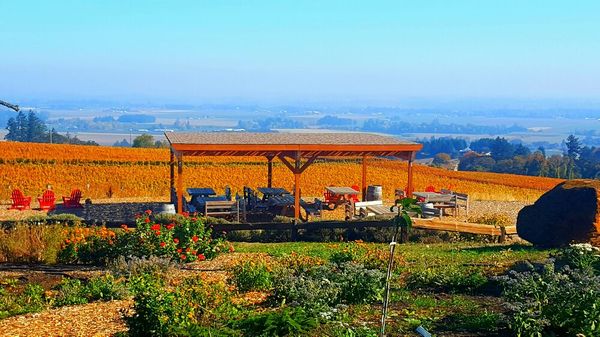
{"x": 124, "y": 209}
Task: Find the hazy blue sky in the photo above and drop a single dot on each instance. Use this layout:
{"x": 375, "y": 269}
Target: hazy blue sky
{"x": 195, "y": 51}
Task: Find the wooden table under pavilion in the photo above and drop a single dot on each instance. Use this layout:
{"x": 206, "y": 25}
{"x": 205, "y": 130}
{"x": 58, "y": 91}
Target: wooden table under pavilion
{"x": 297, "y": 151}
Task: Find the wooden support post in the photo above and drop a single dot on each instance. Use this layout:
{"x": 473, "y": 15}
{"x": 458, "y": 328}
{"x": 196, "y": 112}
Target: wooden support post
{"x": 179, "y": 183}
{"x": 364, "y": 179}
{"x": 297, "y": 173}
{"x": 172, "y": 177}
{"x": 409, "y": 185}
{"x": 270, "y": 172}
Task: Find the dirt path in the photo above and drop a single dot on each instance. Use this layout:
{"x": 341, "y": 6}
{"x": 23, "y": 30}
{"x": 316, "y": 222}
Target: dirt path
{"x": 94, "y": 319}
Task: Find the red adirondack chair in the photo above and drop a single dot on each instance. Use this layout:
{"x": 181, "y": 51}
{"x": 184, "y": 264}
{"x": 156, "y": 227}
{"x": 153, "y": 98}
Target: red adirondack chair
{"x": 47, "y": 201}
{"x": 73, "y": 200}
{"x": 355, "y": 197}
{"x": 19, "y": 201}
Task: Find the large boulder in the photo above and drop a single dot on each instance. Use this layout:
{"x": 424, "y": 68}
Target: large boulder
{"x": 568, "y": 213}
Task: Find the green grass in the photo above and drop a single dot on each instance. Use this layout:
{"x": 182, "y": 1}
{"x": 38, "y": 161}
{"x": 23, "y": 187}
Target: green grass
{"x": 489, "y": 257}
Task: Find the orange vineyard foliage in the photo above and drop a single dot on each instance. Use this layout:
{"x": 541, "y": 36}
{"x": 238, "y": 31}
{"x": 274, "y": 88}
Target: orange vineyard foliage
{"x": 101, "y": 172}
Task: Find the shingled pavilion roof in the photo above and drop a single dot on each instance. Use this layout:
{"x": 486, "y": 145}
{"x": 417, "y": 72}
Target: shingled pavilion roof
{"x": 308, "y": 144}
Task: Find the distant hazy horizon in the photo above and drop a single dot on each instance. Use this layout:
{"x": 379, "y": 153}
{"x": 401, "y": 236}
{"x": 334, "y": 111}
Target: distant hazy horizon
{"x": 493, "y": 53}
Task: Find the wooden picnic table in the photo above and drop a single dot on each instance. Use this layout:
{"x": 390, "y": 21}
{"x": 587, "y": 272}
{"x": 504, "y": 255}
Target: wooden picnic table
{"x": 339, "y": 195}
{"x": 342, "y": 190}
{"x": 272, "y": 191}
{"x": 201, "y": 192}
{"x": 281, "y": 200}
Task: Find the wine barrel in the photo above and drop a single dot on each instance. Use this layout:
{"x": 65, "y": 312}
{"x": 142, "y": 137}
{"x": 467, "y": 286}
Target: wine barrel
{"x": 374, "y": 193}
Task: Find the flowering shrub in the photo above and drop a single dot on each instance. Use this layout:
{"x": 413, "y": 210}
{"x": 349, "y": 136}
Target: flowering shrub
{"x": 163, "y": 310}
{"x": 579, "y": 256}
{"x": 551, "y": 303}
{"x": 185, "y": 241}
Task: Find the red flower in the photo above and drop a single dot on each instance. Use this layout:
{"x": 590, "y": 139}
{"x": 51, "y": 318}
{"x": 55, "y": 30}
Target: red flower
{"x": 155, "y": 227}
{"x": 195, "y": 238}
{"x": 185, "y": 214}
{"x": 182, "y": 257}
{"x": 170, "y": 226}
{"x": 147, "y": 220}
{"x": 201, "y": 257}
{"x": 124, "y": 226}
{"x": 179, "y": 250}
{"x": 163, "y": 244}
{"x": 157, "y": 233}
{"x": 193, "y": 252}
{"x": 231, "y": 250}
{"x": 176, "y": 240}
{"x": 194, "y": 219}
{"x": 188, "y": 249}
{"x": 148, "y": 212}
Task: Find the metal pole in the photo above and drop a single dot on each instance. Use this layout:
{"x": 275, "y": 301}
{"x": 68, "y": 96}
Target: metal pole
{"x": 364, "y": 178}
{"x": 386, "y": 295}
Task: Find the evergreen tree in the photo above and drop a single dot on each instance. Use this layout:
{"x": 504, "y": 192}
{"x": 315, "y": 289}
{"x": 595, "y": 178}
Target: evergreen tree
{"x": 573, "y": 147}
{"x": 36, "y": 129}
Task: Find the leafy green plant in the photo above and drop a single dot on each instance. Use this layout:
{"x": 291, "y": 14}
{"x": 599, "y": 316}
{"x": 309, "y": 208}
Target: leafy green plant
{"x": 105, "y": 288}
{"x": 285, "y": 322}
{"x": 251, "y": 275}
{"x": 70, "y": 292}
{"x": 405, "y": 207}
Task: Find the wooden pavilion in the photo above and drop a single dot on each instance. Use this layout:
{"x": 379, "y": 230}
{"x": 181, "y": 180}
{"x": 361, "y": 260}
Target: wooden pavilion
{"x": 296, "y": 150}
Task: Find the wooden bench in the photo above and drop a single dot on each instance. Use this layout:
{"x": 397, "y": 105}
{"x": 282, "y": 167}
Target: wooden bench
{"x": 222, "y": 209}
{"x": 370, "y": 208}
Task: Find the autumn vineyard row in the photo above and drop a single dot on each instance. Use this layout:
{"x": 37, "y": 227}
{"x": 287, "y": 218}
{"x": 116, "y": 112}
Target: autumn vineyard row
{"x": 123, "y": 173}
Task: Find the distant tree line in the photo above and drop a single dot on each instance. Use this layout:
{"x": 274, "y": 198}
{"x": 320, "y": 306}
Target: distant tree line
{"x": 444, "y": 145}
{"x": 376, "y": 125}
{"x": 499, "y": 155}
{"x": 30, "y": 128}
{"x": 143, "y": 141}
{"x": 400, "y": 127}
